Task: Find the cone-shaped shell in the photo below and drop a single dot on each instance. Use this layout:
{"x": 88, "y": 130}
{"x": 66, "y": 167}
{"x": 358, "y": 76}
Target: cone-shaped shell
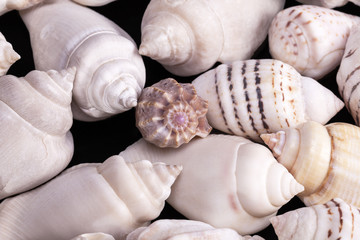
{"x": 35, "y": 121}
{"x": 310, "y": 38}
{"x": 334, "y": 219}
{"x": 189, "y": 37}
{"x": 9, "y": 5}
{"x": 227, "y": 181}
{"x": 7, "y": 55}
{"x": 329, "y": 3}
{"x": 110, "y": 73}
{"x": 94, "y": 236}
{"x": 325, "y": 159}
{"x": 251, "y": 97}
{"x": 113, "y": 197}
{"x": 170, "y": 114}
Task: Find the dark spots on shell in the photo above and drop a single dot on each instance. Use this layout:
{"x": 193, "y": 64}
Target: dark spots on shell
{"x": 261, "y": 108}
{"x": 243, "y": 68}
{"x": 257, "y": 64}
{"x": 282, "y": 37}
{"x": 299, "y": 34}
{"x": 287, "y": 122}
{"x": 287, "y": 24}
{"x": 229, "y": 72}
{"x": 231, "y": 88}
{"x": 220, "y": 104}
{"x": 308, "y": 22}
{"x": 329, "y": 233}
{"x": 244, "y": 83}
{"x": 350, "y": 52}
{"x": 291, "y": 12}
{"x": 298, "y": 15}
{"x": 290, "y": 89}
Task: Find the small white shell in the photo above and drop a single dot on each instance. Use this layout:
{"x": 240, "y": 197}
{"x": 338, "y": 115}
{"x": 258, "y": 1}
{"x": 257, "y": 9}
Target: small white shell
{"x": 7, "y": 55}
{"x": 9, "y": 5}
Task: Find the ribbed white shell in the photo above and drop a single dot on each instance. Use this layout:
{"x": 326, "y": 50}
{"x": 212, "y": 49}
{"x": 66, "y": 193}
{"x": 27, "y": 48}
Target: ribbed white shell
{"x": 7, "y": 55}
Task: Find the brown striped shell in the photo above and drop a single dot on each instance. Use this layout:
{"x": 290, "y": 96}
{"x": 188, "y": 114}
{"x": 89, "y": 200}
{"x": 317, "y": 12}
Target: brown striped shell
{"x": 171, "y": 113}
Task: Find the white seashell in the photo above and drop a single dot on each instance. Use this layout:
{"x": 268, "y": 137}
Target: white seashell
{"x": 186, "y": 230}
{"x": 310, "y": 38}
{"x": 94, "y": 236}
{"x": 113, "y": 197}
{"x": 35, "y": 141}
{"x": 9, "y": 5}
{"x": 189, "y": 36}
{"x": 93, "y": 3}
{"x": 324, "y": 159}
{"x": 329, "y": 3}
{"x": 7, "y": 55}
{"x": 227, "y": 181}
{"x": 110, "y": 73}
{"x": 332, "y": 220}
{"x": 251, "y": 97}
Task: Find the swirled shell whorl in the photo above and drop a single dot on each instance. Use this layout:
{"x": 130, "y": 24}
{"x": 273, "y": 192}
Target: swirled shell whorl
{"x": 334, "y": 219}
{"x": 113, "y": 197}
{"x": 171, "y": 113}
{"x": 7, "y": 55}
{"x": 251, "y": 97}
{"x": 310, "y": 38}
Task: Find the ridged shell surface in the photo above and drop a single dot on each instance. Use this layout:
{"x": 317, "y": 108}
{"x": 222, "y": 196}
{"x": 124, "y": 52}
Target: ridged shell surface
{"x": 310, "y": 38}
{"x": 7, "y": 55}
{"x": 170, "y": 113}
{"x": 329, "y": 3}
{"x": 251, "y": 97}
{"x": 113, "y": 197}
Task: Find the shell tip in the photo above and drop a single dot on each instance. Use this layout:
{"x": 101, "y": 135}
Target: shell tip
{"x": 275, "y": 141}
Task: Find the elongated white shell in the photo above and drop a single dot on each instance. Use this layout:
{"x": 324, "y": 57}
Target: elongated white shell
{"x": 227, "y": 181}
{"x": 251, "y": 97}
{"x": 9, "y": 5}
{"x": 35, "y": 119}
{"x": 113, "y": 197}
{"x": 94, "y": 236}
{"x": 93, "y": 3}
{"x": 189, "y": 36}
{"x": 332, "y": 220}
{"x": 110, "y": 72}
{"x": 310, "y": 38}
{"x": 7, "y": 55}
{"x": 329, "y": 3}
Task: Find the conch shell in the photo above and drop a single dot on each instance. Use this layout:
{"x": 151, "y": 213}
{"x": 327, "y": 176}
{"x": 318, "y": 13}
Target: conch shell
{"x": 35, "y": 139}
{"x": 110, "y": 73}
{"x": 324, "y": 159}
{"x": 94, "y": 236}
{"x": 251, "y": 97}
{"x": 7, "y": 55}
{"x": 189, "y": 36}
{"x": 329, "y": 3}
{"x": 186, "y": 230}
{"x": 332, "y": 220}
{"x": 227, "y": 181}
{"x": 93, "y": 3}
{"x": 9, "y": 5}
{"x": 170, "y": 113}
{"x": 310, "y": 38}
{"x": 113, "y": 197}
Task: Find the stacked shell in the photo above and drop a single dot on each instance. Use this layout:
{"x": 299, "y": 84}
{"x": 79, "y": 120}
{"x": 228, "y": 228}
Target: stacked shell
{"x": 113, "y": 197}
{"x": 170, "y": 114}
{"x": 325, "y": 159}
{"x": 7, "y": 55}
{"x": 310, "y": 38}
{"x": 251, "y": 97}
{"x": 227, "y": 181}
{"x": 35, "y": 121}
{"x": 9, "y": 5}
{"x": 110, "y": 73}
{"x": 329, "y": 3}
{"x": 189, "y": 36}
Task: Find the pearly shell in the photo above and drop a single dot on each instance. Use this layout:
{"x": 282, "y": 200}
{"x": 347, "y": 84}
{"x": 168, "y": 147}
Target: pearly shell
{"x": 227, "y": 181}
{"x": 113, "y": 197}
{"x": 7, "y": 55}
{"x": 35, "y": 139}
{"x": 329, "y": 3}
{"x": 325, "y": 159}
{"x": 110, "y": 72}
{"x": 189, "y": 36}
{"x": 310, "y": 38}
{"x": 166, "y": 229}
{"x": 251, "y": 97}
{"x": 93, "y": 3}
{"x": 332, "y": 220}
{"x": 9, "y": 5}
{"x": 170, "y": 113}
{"x": 94, "y": 236}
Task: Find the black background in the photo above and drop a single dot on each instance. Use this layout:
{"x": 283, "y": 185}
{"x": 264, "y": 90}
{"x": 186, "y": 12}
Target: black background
{"x": 96, "y": 141}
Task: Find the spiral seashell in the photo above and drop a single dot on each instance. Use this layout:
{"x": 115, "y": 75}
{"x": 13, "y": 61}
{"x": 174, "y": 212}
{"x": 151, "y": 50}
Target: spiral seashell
{"x": 9, "y": 5}
{"x": 186, "y": 230}
{"x": 227, "y": 181}
{"x": 93, "y": 3}
{"x": 170, "y": 114}
{"x": 189, "y": 36}
{"x": 35, "y": 139}
{"x": 7, "y": 55}
{"x": 324, "y": 159}
{"x": 113, "y": 197}
{"x": 310, "y": 38}
{"x": 329, "y": 3}
{"x": 94, "y": 236}
{"x": 332, "y": 220}
{"x": 110, "y": 73}
{"x": 251, "y": 97}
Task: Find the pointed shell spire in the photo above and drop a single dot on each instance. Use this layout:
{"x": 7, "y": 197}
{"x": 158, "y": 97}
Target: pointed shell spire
{"x": 7, "y": 55}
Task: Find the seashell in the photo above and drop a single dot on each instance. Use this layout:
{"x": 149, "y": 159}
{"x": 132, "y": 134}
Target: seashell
{"x": 310, "y": 38}
{"x": 185, "y": 229}
{"x": 170, "y": 113}
{"x": 329, "y": 3}
{"x": 324, "y": 159}
{"x": 251, "y": 97}
{"x": 9, "y": 5}
{"x": 227, "y": 181}
{"x": 110, "y": 73}
{"x": 93, "y": 3}
{"x": 94, "y": 236}
{"x": 113, "y": 197}
{"x": 189, "y": 37}
{"x": 347, "y": 76}
{"x": 7, "y": 55}
{"x": 332, "y": 220}
{"x": 35, "y": 139}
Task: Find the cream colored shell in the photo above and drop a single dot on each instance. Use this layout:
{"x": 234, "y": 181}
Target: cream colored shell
{"x": 7, "y": 55}
{"x": 9, "y": 5}
{"x": 94, "y": 236}
{"x": 329, "y": 3}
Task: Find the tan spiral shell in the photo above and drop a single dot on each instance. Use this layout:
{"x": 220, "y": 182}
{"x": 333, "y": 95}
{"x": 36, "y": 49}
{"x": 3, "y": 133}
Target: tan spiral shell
{"x": 171, "y": 113}
{"x": 7, "y": 55}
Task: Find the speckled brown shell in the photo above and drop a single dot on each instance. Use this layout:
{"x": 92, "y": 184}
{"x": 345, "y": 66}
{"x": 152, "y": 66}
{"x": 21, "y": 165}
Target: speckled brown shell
{"x": 171, "y": 113}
